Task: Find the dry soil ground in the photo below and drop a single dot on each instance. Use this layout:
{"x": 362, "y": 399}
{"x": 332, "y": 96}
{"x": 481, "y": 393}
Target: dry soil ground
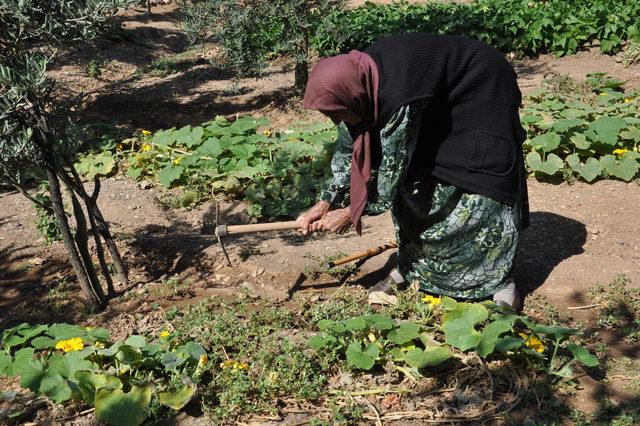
{"x": 580, "y": 234}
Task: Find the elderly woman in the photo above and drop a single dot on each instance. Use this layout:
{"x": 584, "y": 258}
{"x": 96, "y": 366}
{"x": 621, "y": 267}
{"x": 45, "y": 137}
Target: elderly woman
{"x": 429, "y": 128}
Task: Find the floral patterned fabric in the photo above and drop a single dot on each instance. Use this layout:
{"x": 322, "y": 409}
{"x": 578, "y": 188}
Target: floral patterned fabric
{"x": 449, "y": 240}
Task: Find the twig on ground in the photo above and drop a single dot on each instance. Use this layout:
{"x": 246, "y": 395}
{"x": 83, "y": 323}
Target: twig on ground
{"x": 379, "y": 391}
{"x": 577, "y": 308}
{"x": 81, "y": 413}
{"x": 486, "y": 370}
{"x": 375, "y": 411}
{"x": 620, "y": 376}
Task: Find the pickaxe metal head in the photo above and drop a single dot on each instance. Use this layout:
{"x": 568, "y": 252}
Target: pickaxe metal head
{"x": 221, "y": 231}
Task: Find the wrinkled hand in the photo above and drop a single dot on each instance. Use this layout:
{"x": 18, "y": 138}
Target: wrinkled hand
{"x": 336, "y": 221}
{"x": 308, "y": 219}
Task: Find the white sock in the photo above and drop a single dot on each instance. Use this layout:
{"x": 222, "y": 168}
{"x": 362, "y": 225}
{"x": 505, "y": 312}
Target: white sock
{"x": 508, "y": 295}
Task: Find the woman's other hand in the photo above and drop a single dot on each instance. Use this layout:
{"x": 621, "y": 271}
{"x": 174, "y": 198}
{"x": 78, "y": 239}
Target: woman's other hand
{"x": 336, "y": 221}
{"x": 307, "y": 221}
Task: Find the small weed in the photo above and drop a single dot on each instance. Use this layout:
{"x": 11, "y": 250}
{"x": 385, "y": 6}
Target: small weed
{"x": 233, "y": 89}
{"x": 171, "y": 64}
{"x": 94, "y": 68}
{"x": 246, "y": 252}
{"x": 186, "y": 199}
{"x": 258, "y": 361}
{"x": 346, "y": 305}
{"x": 539, "y": 306}
{"x": 172, "y": 313}
{"x": 23, "y": 267}
{"x": 46, "y": 222}
{"x": 620, "y": 307}
{"x": 338, "y": 272}
{"x": 627, "y": 368}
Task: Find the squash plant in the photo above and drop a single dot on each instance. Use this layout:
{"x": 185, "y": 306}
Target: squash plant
{"x": 120, "y": 379}
{"x": 445, "y": 328}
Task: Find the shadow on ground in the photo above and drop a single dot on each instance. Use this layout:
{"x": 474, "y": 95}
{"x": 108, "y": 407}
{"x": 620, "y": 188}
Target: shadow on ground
{"x": 549, "y": 240}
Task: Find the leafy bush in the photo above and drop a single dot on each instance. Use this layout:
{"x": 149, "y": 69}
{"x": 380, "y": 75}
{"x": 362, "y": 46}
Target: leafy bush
{"x": 120, "y": 379}
{"x": 590, "y": 133}
{"x": 250, "y": 31}
{"x": 521, "y": 26}
{"x": 442, "y": 327}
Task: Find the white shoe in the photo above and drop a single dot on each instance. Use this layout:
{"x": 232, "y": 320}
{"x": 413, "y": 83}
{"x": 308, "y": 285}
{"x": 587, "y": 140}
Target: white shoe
{"x": 508, "y": 296}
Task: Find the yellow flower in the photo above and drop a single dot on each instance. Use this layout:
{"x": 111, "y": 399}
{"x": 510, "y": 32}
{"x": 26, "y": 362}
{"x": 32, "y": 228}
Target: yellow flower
{"x": 620, "y": 151}
{"x": 75, "y": 344}
{"x": 533, "y": 342}
{"x": 432, "y": 300}
{"x": 372, "y": 337}
{"x": 603, "y": 93}
{"x": 99, "y": 345}
{"x": 203, "y": 360}
{"x": 164, "y": 334}
{"x": 628, "y": 100}
{"x": 147, "y": 147}
{"x": 234, "y": 365}
{"x": 177, "y": 161}
{"x": 145, "y": 132}
{"x": 88, "y": 328}
{"x": 266, "y": 132}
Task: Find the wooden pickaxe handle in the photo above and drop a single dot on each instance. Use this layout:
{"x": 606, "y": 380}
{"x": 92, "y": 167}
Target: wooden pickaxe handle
{"x": 361, "y": 255}
{"x": 223, "y": 230}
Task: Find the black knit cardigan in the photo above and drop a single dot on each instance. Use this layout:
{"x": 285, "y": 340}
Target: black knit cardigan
{"x": 471, "y": 134}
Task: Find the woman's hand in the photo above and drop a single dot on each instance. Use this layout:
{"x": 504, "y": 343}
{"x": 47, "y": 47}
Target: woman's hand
{"x": 336, "y": 221}
{"x": 308, "y": 220}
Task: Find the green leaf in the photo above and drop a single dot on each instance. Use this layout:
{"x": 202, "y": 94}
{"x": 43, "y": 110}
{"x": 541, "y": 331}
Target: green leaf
{"x": 405, "y": 332}
{"x": 419, "y": 358}
{"x": 508, "y": 343}
{"x": 624, "y": 169}
{"x": 136, "y": 341}
{"x": 179, "y": 398}
{"x": 211, "y": 148}
{"x": 42, "y": 342}
{"x": 128, "y": 354}
{"x": 607, "y": 129}
{"x": 363, "y": 360}
{"x": 565, "y": 124}
{"x": 317, "y": 342}
{"x": 566, "y": 372}
{"x": 56, "y": 387}
{"x": 560, "y": 332}
{"x": 171, "y": 360}
{"x": 590, "y": 170}
{"x": 134, "y": 172}
{"x": 583, "y": 355}
{"x": 91, "y": 382}
{"x": 546, "y": 142}
{"x": 123, "y": 409}
{"x": 164, "y": 138}
{"x": 551, "y": 166}
{"x": 379, "y": 322}
{"x": 459, "y": 324}
{"x": 632, "y": 134}
{"x": 580, "y": 141}
{"x": 189, "y": 137}
{"x": 448, "y": 303}
{"x": 58, "y": 364}
{"x": 355, "y": 324}
{"x": 92, "y": 165}
{"x": 169, "y": 174}
{"x": 5, "y": 364}
{"x": 192, "y": 350}
{"x": 65, "y": 331}
{"x": 490, "y": 336}
{"x": 31, "y": 373}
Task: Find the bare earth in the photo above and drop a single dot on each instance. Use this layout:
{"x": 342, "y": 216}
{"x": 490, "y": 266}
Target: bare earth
{"x": 580, "y": 234}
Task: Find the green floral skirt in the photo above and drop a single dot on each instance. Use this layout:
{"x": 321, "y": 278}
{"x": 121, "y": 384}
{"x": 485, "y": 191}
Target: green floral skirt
{"x": 453, "y": 242}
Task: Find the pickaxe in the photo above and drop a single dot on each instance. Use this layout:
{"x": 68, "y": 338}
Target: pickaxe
{"x": 224, "y": 230}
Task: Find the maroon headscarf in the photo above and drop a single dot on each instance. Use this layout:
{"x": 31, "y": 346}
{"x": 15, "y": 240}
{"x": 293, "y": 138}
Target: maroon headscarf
{"x": 349, "y": 83}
